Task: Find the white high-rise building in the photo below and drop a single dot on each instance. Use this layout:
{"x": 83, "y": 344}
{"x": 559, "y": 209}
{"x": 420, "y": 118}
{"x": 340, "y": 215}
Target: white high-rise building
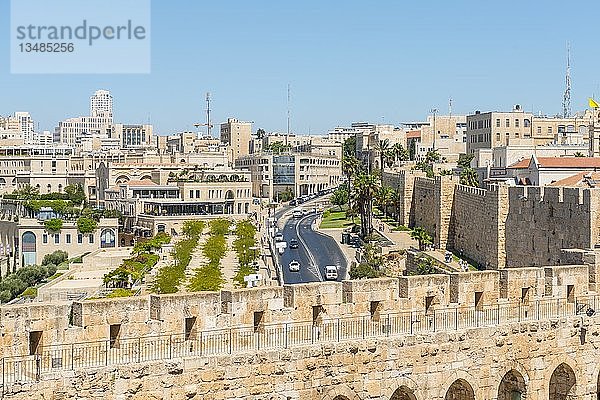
{"x": 26, "y": 125}
{"x": 101, "y": 104}
{"x": 70, "y": 131}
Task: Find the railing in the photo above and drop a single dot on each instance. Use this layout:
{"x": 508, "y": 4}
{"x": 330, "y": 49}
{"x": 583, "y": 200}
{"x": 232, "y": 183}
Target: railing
{"x": 115, "y": 351}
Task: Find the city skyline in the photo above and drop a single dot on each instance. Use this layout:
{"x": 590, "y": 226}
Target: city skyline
{"x": 389, "y": 63}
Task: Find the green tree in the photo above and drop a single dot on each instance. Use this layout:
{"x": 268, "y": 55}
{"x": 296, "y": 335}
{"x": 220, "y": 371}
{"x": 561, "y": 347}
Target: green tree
{"x": 27, "y": 192}
{"x": 260, "y": 133}
{"x": 75, "y": 193}
{"x": 57, "y": 257}
{"x": 468, "y": 175}
{"x": 86, "y": 225}
{"x": 400, "y": 153}
{"x": 53, "y": 225}
{"x": 385, "y": 198}
{"x": 422, "y": 236}
{"x": 339, "y": 197}
{"x": 382, "y": 147}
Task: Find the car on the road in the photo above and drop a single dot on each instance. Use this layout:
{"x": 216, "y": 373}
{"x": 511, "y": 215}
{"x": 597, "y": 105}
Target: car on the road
{"x": 293, "y": 244}
{"x": 293, "y": 202}
{"x": 297, "y": 213}
{"x": 331, "y": 272}
{"x": 294, "y": 266}
{"x": 279, "y": 237}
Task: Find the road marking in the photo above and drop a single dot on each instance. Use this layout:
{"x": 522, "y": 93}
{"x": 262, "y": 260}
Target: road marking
{"x": 312, "y": 258}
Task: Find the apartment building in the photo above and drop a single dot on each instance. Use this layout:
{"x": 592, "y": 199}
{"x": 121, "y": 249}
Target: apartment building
{"x": 300, "y": 173}
{"x": 236, "y": 135}
{"x": 492, "y": 129}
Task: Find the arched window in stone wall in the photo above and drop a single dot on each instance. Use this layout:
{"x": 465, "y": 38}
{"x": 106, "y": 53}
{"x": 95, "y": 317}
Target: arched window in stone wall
{"x": 460, "y": 390}
{"x": 28, "y": 248}
{"x": 512, "y": 386}
{"x": 403, "y": 393}
{"x": 562, "y": 383}
{"x": 107, "y": 238}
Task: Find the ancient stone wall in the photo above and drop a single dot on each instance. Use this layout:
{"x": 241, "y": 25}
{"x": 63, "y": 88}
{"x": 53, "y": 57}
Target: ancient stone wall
{"x": 477, "y": 224}
{"x": 432, "y": 207}
{"x": 543, "y": 220}
{"x": 403, "y": 182}
{"x": 483, "y": 363}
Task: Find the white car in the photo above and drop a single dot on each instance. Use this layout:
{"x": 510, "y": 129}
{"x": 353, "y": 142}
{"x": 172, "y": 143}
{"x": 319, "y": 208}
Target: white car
{"x": 331, "y": 272}
{"x": 294, "y": 266}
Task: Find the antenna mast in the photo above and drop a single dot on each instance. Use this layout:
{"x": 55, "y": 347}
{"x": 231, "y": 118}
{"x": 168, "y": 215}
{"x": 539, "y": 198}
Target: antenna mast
{"x": 566, "y": 105}
{"x": 450, "y": 106}
{"x": 288, "y": 114}
{"x": 208, "y": 124}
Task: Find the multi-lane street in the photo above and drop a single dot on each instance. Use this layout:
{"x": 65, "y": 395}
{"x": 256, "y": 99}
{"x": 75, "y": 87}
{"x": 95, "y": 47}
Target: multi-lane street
{"x": 314, "y": 252}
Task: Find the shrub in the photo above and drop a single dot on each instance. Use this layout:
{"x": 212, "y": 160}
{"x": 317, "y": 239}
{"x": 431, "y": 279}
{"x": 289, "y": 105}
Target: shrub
{"x": 326, "y": 213}
{"x": 55, "y": 258}
{"x": 363, "y": 270}
{"x": 193, "y": 228}
{"x": 120, "y": 293}
{"x": 14, "y": 284}
{"x": 86, "y": 225}
{"x": 30, "y": 292}
{"x": 53, "y": 225}
{"x": 219, "y": 226}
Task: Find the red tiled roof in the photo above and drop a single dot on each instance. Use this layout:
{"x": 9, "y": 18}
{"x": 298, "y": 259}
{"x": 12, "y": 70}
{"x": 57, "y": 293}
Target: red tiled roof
{"x": 569, "y": 162}
{"x": 560, "y": 162}
{"x": 143, "y": 182}
{"x": 520, "y": 164}
{"x": 413, "y": 134}
{"x": 581, "y": 179}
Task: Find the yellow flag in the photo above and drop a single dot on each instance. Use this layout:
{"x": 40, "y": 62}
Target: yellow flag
{"x": 592, "y": 103}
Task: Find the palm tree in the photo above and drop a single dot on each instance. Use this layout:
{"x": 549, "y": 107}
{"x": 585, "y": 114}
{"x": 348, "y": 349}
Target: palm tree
{"x": 365, "y": 187}
{"x": 468, "y": 176}
{"x": 350, "y": 167}
{"x": 382, "y": 147}
{"x": 385, "y": 198}
{"x": 400, "y": 153}
{"x": 421, "y": 235}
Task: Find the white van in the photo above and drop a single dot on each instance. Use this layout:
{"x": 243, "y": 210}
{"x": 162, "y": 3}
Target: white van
{"x": 297, "y": 213}
{"x": 331, "y": 272}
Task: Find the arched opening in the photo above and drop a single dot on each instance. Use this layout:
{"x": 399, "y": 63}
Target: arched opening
{"x": 29, "y": 248}
{"x": 340, "y": 397}
{"x": 122, "y": 179}
{"x": 160, "y": 228}
{"x": 512, "y": 386}
{"x": 460, "y": 390}
{"x": 562, "y": 383}
{"x": 146, "y": 178}
{"x": 107, "y": 238}
{"x": 403, "y": 393}
{"x": 229, "y": 195}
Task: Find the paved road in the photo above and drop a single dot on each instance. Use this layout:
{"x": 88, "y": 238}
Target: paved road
{"x": 314, "y": 252}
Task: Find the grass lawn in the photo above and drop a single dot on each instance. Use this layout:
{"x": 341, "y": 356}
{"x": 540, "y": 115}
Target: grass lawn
{"x": 336, "y": 219}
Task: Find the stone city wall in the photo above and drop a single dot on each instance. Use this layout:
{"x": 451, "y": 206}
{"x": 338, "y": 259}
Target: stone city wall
{"x": 403, "y": 182}
{"x": 477, "y": 225}
{"x": 543, "y": 220}
{"x": 555, "y": 359}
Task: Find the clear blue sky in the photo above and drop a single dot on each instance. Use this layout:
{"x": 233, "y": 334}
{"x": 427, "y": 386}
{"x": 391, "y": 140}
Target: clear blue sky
{"x": 345, "y": 61}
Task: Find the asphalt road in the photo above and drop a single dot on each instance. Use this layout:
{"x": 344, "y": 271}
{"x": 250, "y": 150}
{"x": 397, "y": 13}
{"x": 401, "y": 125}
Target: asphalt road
{"x": 314, "y": 252}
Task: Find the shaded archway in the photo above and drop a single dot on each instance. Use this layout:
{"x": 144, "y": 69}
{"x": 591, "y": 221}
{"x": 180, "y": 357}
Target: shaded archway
{"x": 460, "y": 390}
{"x": 403, "y": 393}
{"x": 562, "y": 383}
{"x": 29, "y": 248}
{"x": 512, "y": 386}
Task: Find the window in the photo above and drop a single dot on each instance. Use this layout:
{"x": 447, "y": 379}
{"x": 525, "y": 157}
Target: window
{"x": 507, "y": 123}
{"x": 429, "y": 303}
{"x": 91, "y": 238}
{"x": 375, "y": 310}
{"x": 115, "y": 333}
{"x": 549, "y": 129}
{"x": 479, "y": 301}
{"x": 45, "y": 238}
{"x": 258, "y": 320}
{"x": 525, "y": 295}
{"x": 68, "y": 238}
{"x": 571, "y": 293}
{"x": 516, "y": 123}
{"x": 516, "y": 134}
{"x": 191, "y": 194}
{"x": 79, "y": 238}
{"x": 35, "y": 342}
{"x": 190, "y": 328}
{"x": 56, "y": 238}
{"x": 317, "y": 314}
{"x": 497, "y": 122}
{"x": 526, "y": 123}
{"x": 539, "y": 129}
